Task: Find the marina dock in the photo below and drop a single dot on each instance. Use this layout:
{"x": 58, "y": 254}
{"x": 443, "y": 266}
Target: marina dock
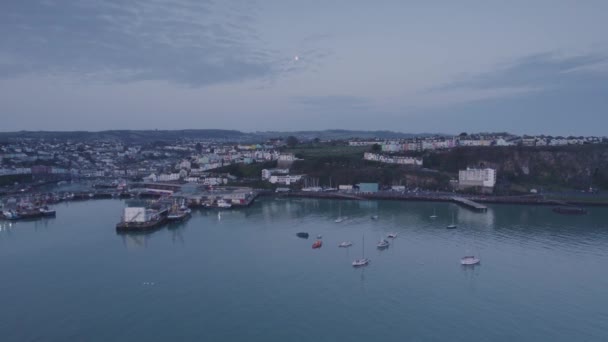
{"x": 470, "y": 204}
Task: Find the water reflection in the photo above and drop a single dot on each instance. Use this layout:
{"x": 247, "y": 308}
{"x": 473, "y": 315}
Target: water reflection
{"x": 466, "y": 217}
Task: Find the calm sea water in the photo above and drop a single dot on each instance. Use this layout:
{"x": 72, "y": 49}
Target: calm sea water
{"x": 247, "y": 277}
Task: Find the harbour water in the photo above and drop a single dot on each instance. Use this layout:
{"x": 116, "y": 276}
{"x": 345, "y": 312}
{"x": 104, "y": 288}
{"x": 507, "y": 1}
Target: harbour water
{"x": 247, "y": 277}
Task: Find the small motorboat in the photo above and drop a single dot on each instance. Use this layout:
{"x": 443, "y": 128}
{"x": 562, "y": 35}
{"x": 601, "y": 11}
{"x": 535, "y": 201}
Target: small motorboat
{"x": 382, "y": 244}
{"x": 565, "y": 210}
{"x": 345, "y": 244}
{"x": 302, "y": 235}
{"x": 391, "y": 235}
{"x": 360, "y": 262}
{"x": 374, "y": 217}
{"x": 319, "y": 236}
{"x": 317, "y": 244}
{"x": 339, "y": 220}
{"x": 469, "y": 260}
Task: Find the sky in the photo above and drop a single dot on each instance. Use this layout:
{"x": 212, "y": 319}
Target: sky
{"x": 526, "y": 67}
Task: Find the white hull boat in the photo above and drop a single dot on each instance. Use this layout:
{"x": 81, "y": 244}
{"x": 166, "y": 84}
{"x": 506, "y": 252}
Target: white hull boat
{"x": 469, "y": 260}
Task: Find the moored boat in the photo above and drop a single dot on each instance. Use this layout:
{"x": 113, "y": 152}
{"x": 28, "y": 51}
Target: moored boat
{"x": 140, "y": 219}
{"x": 345, "y": 244}
{"x": 382, "y": 244}
{"x": 45, "y": 211}
{"x": 302, "y": 235}
{"x": 570, "y": 210}
{"x": 391, "y": 235}
{"x": 317, "y": 244}
{"x": 469, "y": 260}
{"x": 363, "y": 261}
{"x": 178, "y": 213}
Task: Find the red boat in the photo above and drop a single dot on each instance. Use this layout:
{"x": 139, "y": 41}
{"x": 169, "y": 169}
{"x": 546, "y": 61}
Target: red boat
{"x": 317, "y": 244}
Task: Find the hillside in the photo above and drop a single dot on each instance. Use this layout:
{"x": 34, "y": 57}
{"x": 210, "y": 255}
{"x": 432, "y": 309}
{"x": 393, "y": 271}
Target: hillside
{"x": 574, "y": 167}
{"x": 147, "y": 136}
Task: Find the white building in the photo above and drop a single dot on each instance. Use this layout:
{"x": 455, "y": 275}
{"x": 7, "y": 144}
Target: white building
{"x": 477, "y": 177}
{"x": 392, "y": 159}
{"x": 287, "y": 157}
{"x": 266, "y": 173}
{"x": 286, "y": 179}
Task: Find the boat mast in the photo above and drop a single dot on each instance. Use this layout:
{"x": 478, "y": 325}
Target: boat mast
{"x": 363, "y": 245}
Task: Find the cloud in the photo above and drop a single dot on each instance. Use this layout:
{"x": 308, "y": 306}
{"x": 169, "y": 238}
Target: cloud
{"x": 334, "y": 102}
{"x": 544, "y": 70}
{"x": 191, "y": 42}
{"x": 541, "y": 93}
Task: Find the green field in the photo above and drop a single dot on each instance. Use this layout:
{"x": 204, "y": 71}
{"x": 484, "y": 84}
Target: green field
{"x": 328, "y": 151}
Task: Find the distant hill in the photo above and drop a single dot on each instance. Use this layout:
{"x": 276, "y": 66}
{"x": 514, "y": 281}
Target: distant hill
{"x": 146, "y": 136}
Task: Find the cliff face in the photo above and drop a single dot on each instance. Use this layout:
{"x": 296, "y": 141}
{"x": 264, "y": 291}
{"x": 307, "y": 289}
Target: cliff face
{"x": 567, "y": 166}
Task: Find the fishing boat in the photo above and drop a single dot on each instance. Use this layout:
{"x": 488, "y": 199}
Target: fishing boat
{"x": 46, "y": 212}
{"x": 10, "y": 215}
{"x": 317, "y": 244}
{"x": 178, "y": 213}
{"x": 469, "y": 260}
{"x": 302, "y": 235}
{"x": 28, "y": 212}
{"x": 391, "y": 235}
{"x": 363, "y": 261}
{"x": 453, "y": 225}
{"x": 382, "y": 244}
{"x": 345, "y": 244}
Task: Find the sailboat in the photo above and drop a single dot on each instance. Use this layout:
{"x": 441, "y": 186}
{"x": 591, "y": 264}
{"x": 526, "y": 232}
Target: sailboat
{"x": 469, "y": 258}
{"x": 363, "y": 261}
{"x": 453, "y": 225}
{"x": 340, "y": 218}
{"x": 434, "y": 216}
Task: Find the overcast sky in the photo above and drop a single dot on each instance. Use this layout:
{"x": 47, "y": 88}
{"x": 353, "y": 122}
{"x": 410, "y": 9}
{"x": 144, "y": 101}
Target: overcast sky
{"x": 411, "y": 66}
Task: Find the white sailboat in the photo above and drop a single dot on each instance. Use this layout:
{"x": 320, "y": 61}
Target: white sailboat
{"x": 363, "y": 261}
{"x": 340, "y": 218}
{"x": 434, "y": 216}
{"x": 453, "y": 225}
{"x": 470, "y": 258}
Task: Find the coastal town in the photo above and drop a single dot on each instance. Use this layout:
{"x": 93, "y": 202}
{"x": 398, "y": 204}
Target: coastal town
{"x": 207, "y": 173}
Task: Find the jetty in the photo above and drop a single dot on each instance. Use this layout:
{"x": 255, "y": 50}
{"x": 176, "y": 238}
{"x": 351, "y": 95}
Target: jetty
{"x": 470, "y": 204}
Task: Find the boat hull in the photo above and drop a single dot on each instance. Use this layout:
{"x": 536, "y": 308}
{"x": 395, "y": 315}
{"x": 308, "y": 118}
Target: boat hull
{"x": 570, "y": 210}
